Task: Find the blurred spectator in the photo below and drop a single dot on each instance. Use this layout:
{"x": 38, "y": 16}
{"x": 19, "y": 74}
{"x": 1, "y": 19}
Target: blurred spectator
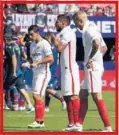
{"x": 11, "y": 28}
{"x": 61, "y": 8}
{"x": 99, "y": 12}
{"x": 20, "y": 8}
{"x": 85, "y": 7}
{"x": 71, "y": 8}
{"x": 90, "y": 9}
{"x": 7, "y": 20}
{"x": 50, "y": 8}
{"x": 31, "y": 7}
{"x": 7, "y": 16}
{"x": 39, "y": 8}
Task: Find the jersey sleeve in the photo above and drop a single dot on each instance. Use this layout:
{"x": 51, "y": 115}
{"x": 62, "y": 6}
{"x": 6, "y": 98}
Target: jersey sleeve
{"x": 47, "y": 48}
{"x": 65, "y": 38}
{"x": 12, "y": 50}
{"x": 93, "y": 34}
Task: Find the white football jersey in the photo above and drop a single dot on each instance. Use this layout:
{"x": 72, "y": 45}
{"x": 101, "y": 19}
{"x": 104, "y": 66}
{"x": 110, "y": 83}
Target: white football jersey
{"x": 39, "y": 51}
{"x": 90, "y": 33}
{"x": 68, "y": 56}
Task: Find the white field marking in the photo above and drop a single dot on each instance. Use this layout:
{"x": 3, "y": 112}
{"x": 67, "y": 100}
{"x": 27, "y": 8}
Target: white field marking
{"x": 89, "y": 116}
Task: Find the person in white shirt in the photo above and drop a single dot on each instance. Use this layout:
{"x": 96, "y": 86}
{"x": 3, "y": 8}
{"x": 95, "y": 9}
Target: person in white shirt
{"x": 65, "y": 43}
{"x": 94, "y": 49}
{"x": 41, "y": 55}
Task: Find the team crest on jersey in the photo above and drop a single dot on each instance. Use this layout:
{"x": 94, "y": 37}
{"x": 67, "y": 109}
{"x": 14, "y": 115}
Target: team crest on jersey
{"x": 38, "y": 47}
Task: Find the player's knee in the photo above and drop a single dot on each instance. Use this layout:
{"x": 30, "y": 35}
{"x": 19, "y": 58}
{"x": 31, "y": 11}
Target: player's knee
{"x": 74, "y": 97}
{"x": 83, "y": 94}
{"x": 37, "y": 97}
{"x": 50, "y": 91}
{"x": 97, "y": 96}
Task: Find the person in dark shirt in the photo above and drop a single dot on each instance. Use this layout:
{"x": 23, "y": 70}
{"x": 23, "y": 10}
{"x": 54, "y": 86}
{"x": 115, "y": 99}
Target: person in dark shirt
{"x": 12, "y": 69}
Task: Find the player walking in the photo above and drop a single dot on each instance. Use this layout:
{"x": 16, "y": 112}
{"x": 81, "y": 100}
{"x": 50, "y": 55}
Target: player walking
{"x": 52, "y": 84}
{"x": 12, "y": 69}
{"x": 41, "y": 55}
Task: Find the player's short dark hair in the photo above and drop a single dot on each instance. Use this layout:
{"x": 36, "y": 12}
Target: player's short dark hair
{"x": 65, "y": 18}
{"x": 34, "y": 28}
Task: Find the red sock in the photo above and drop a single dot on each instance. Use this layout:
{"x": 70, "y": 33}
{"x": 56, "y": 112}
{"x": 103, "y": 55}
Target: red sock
{"x": 21, "y": 103}
{"x": 76, "y": 106}
{"x": 103, "y": 111}
{"x": 16, "y": 99}
{"x": 70, "y": 112}
{"x": 39, "y": 110}
{"x": 83, "y": 110}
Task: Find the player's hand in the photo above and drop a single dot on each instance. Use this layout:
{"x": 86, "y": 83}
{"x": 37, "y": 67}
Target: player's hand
{"x": 89, "y": 63}
{"x": 33, "y": 65}
{"x": 56, "y": 40}
{"x": 26, "y": 65}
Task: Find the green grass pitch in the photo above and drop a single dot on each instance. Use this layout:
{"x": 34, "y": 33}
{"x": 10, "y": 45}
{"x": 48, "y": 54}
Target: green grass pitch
{"x": 56, "y": 119}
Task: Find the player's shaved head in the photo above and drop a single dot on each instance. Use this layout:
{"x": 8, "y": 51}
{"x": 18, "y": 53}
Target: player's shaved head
{"x": 80, "y": 18}
{"x": 80, "y": 14}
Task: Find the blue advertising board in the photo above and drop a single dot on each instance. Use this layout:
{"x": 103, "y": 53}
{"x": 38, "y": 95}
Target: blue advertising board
{"x": 106, "y": 26}
{"x": 46, "y": 22}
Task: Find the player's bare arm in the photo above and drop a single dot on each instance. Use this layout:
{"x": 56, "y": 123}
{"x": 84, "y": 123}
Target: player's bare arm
{"x": 103, "y": 49}
{"x": 48, "y": 59}
{"x": 24, "y": 56}
{"x": 14, "y": 63}
{"x": 58, "y": 44}
{"x": 95, "y": 47}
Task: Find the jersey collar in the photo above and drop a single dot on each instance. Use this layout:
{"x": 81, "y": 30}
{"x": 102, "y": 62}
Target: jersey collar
{"x": 65, "y": 29}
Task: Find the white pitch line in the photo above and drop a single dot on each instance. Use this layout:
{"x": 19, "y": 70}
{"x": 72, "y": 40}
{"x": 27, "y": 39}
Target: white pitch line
{"x": 89, "y": 116}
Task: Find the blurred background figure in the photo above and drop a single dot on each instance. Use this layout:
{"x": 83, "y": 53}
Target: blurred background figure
{"x": 53, "y": 82}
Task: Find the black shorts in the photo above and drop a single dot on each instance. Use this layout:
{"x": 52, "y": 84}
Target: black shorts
{"x": 12, "y": 81}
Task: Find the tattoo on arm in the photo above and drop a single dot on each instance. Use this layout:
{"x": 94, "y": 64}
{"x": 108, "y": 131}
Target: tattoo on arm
{"x": 95, "y": 47}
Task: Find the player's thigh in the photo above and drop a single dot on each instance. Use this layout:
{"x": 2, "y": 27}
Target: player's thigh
{"x": 20, "y": 84}
{"x": 70, "y": 84}
{"x": 83, "y": 94}
{"x": 40, "y": 83}
{"x": 94, "y": 81}
{"x": 10, "y": 82}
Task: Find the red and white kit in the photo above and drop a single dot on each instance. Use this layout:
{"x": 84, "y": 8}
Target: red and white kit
{"x": 41, "y": 73}
{"x": 93, "y": 76}
{"x": 70, "y": 80}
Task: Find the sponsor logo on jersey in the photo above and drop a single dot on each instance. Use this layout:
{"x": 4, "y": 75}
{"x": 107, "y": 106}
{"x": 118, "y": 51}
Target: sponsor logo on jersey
{"x": 36, "y": 54}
